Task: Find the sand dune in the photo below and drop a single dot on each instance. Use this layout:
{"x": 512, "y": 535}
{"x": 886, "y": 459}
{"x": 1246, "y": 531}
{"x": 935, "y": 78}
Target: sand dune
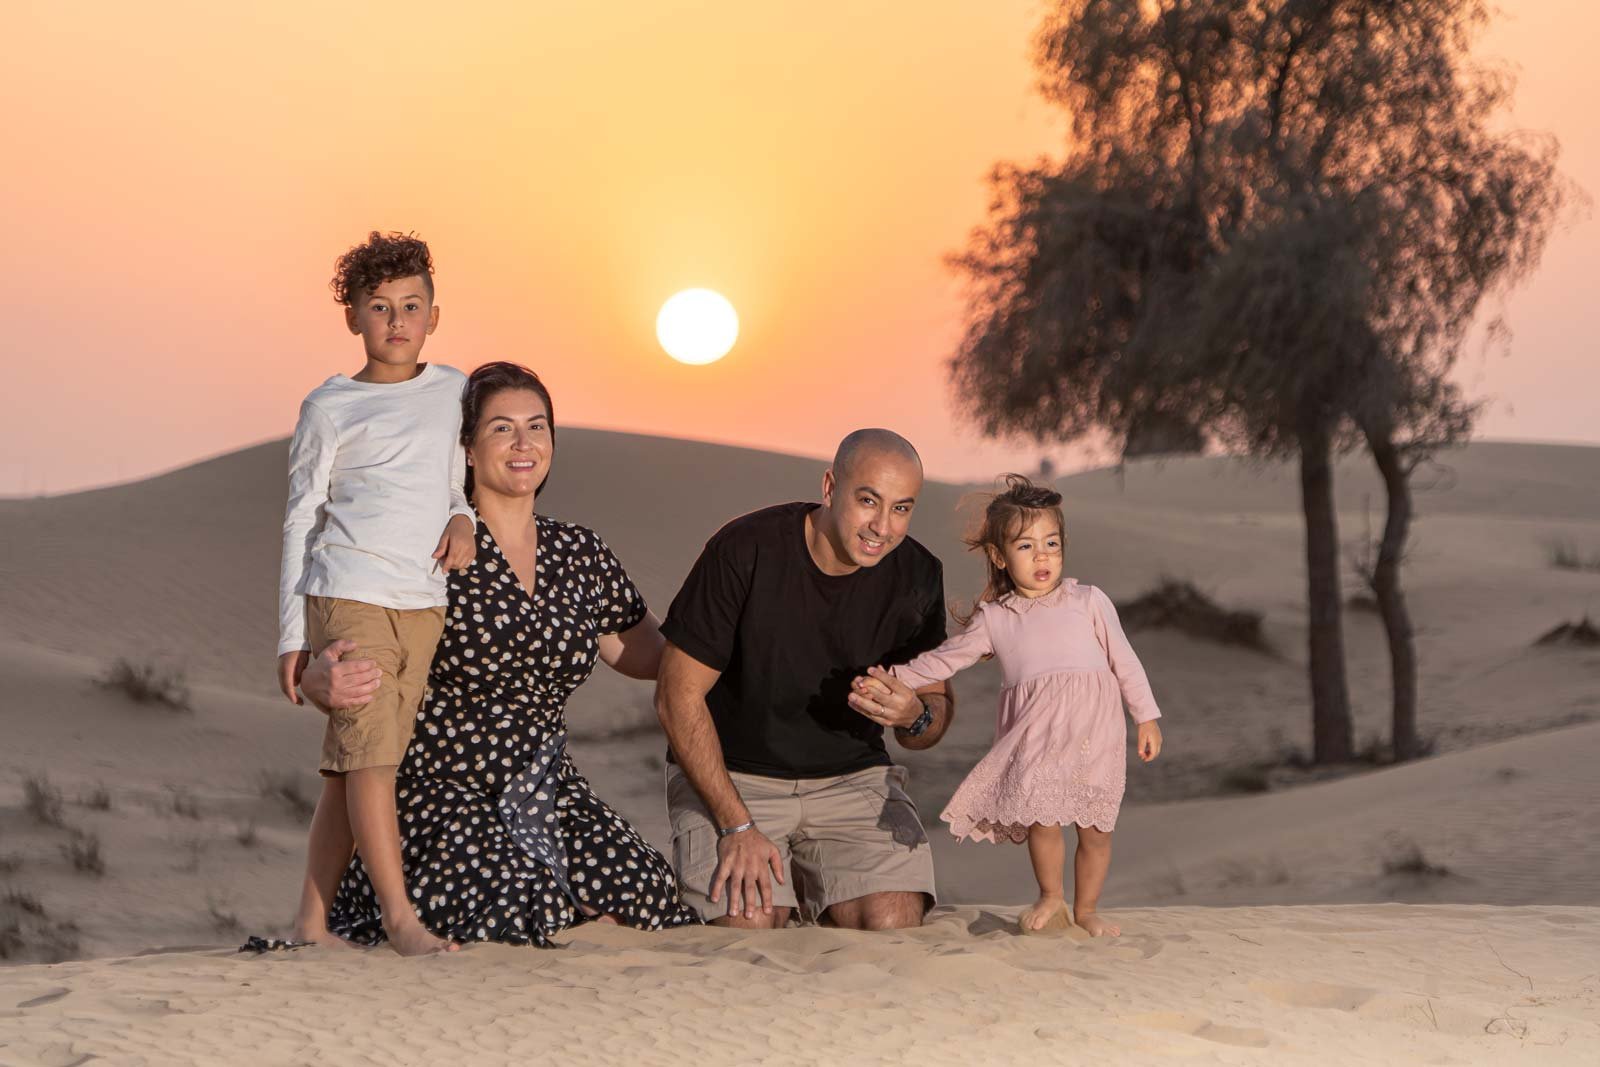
{"x": 1390, "y": 984}
{"x": 195, "y": 818}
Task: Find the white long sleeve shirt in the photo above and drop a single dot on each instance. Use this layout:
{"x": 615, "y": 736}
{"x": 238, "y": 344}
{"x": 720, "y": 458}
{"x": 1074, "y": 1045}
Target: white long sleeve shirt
{"x": 375, "y": 473}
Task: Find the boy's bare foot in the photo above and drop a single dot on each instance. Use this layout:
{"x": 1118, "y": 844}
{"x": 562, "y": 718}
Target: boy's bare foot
{"x": 1098, "y": 926}
{"x": 1047, "y": 910}
{"x": 413, "y": 939}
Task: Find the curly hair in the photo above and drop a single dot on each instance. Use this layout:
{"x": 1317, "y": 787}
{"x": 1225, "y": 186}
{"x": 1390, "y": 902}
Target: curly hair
{"x": 1006, "y": 514}
{"x": 384, "y": 257}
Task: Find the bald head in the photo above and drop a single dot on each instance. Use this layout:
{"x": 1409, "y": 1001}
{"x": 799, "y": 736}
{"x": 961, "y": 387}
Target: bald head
{"x": 867, "y": 498}
{"x": 861, "y": 445}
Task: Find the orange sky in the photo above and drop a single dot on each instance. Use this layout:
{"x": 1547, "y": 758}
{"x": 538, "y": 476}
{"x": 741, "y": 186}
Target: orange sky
{"x": 181, "y": 176}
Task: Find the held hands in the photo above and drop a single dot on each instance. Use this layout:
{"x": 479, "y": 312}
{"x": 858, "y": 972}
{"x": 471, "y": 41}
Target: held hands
{"x": 885, "y": 699}
{"x": 746, "y": 864}
{"x": 458, "y": 545}
{"x": 331, "y": 681}
{"x": 1149, "y": 746}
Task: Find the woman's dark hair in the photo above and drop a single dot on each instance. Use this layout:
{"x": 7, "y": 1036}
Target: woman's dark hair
{"x": 385, "y": 256}
{"x": 487, "y": 381}
{"x": 1006, "y": 514}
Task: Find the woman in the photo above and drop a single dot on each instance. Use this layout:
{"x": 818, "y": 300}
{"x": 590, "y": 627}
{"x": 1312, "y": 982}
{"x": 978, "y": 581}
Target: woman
{"x": 502, "y": 839}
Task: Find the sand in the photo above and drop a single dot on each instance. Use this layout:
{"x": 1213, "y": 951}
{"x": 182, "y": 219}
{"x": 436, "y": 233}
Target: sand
{"x": 1444, "y": 911}
{"x": 1372, "y": 984}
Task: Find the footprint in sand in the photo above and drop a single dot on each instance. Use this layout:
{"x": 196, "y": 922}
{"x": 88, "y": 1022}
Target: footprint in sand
{"x": 1146, "y": 946}
{"x": 1204, "y": 1029}
{"x": 1314, "y": 994}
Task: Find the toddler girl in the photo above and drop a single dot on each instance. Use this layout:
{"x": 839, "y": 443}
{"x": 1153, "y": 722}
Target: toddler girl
{"x": 1058, "y": 757}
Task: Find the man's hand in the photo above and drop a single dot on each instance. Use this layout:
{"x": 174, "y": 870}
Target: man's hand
{"x": 334, "y": 682}
{"x": 746, "y": 863}
{"x": 291, "y": 665}
{"x": 885, "y": 699}
{"x": 1149, "y": 746}
{"x": 458, "y": 545}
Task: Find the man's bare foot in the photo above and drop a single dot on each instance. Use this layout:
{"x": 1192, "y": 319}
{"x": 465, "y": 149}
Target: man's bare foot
{"x": 413, "y": 939}
{"x": 1044, "y": 911}
{"x": 1098, "y": 926}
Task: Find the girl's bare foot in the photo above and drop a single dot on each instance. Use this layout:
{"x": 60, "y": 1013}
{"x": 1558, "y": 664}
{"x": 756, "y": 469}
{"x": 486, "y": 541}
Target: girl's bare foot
{"x": 1098, "y": 926}
{"x": 413, "y": 939}
{"x": 1044, "y": 910}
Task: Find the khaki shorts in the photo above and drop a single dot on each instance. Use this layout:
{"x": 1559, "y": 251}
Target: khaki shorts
{"x": 839, "y": 838}
{"x": 401, "y": 642}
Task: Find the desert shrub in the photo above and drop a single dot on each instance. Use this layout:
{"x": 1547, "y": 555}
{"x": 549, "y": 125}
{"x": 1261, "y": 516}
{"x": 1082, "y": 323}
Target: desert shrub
{"x": 97, "y": 799}
{"x": 149, "y": 683}
{"x": 246, "y": 835}
{"x": 27, "y": 933}
{"x": 43, "y": 800}
{"x": 1564, "y": 556}
{"x": 26, "y": 903}
{"x": 1179, "y": 605}
{"x": 83, "y": 850}
{"x": 1404, "y": 856}
{"x": 184, "y": 803}
{"x": 223, "y": 920}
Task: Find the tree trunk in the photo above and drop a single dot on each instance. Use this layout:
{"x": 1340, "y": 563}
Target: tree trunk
{"x": 1332, "y": 732}
{"x": 1391, "y": 602}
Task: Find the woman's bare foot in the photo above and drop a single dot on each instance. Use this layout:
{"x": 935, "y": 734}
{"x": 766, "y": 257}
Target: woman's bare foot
{"x": 1098, "y": 926}
{"x": 1044, "y": 910}
{"x": 321, "y": 936}
{"x": 413, "y": 939}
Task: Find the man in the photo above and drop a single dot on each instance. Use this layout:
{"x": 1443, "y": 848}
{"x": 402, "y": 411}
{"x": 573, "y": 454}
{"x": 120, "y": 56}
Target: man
{"x": 781, "y": 791}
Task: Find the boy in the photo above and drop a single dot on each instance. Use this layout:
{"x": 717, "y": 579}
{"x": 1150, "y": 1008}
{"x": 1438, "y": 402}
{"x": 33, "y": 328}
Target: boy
{"x": 375, "y": 469}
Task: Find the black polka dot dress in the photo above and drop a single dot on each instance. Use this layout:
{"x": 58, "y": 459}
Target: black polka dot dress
{"x": 501, "y": 838}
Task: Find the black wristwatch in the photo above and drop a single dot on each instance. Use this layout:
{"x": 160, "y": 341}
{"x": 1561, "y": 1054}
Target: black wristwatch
{"x": 923, "y": 721}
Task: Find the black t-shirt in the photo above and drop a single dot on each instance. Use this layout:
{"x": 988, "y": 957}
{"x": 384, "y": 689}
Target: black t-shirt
{"x": 788, "y": 639}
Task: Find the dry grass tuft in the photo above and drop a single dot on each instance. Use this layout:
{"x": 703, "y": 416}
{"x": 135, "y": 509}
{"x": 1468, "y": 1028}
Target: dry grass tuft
{"x": 1564, "y": 556}
{"x": 1404, "y": 857}
{"x": 28, "y": 934}
{"x": 184, "y": 803}
{"x": 83, "y": 851}
{"x": 223, "y": 920}
{"x": 43, "y": 801}
{"x": 150, "y": 683}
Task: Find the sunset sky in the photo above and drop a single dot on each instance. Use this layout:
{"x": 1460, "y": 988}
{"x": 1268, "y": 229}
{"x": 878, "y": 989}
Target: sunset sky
{"x": 180, "y": 177}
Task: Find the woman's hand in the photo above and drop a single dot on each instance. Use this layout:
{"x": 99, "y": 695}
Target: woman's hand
{"x": 458, "y": 545}
{"x": 330, "y": 681}
{"x": 1149, "y": 746}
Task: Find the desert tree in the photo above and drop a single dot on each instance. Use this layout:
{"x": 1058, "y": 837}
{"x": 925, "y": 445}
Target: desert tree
{"x": 1230, "y": 243}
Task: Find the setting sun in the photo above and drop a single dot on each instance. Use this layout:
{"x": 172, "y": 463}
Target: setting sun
{"x": 697, "y": 326}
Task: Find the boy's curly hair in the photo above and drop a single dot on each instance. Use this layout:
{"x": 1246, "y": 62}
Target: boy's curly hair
{"x": 385, "y": 256}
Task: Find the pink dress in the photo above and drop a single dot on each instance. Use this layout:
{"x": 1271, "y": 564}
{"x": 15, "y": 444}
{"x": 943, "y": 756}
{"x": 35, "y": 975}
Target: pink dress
{"x": 1060, "y": 743}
